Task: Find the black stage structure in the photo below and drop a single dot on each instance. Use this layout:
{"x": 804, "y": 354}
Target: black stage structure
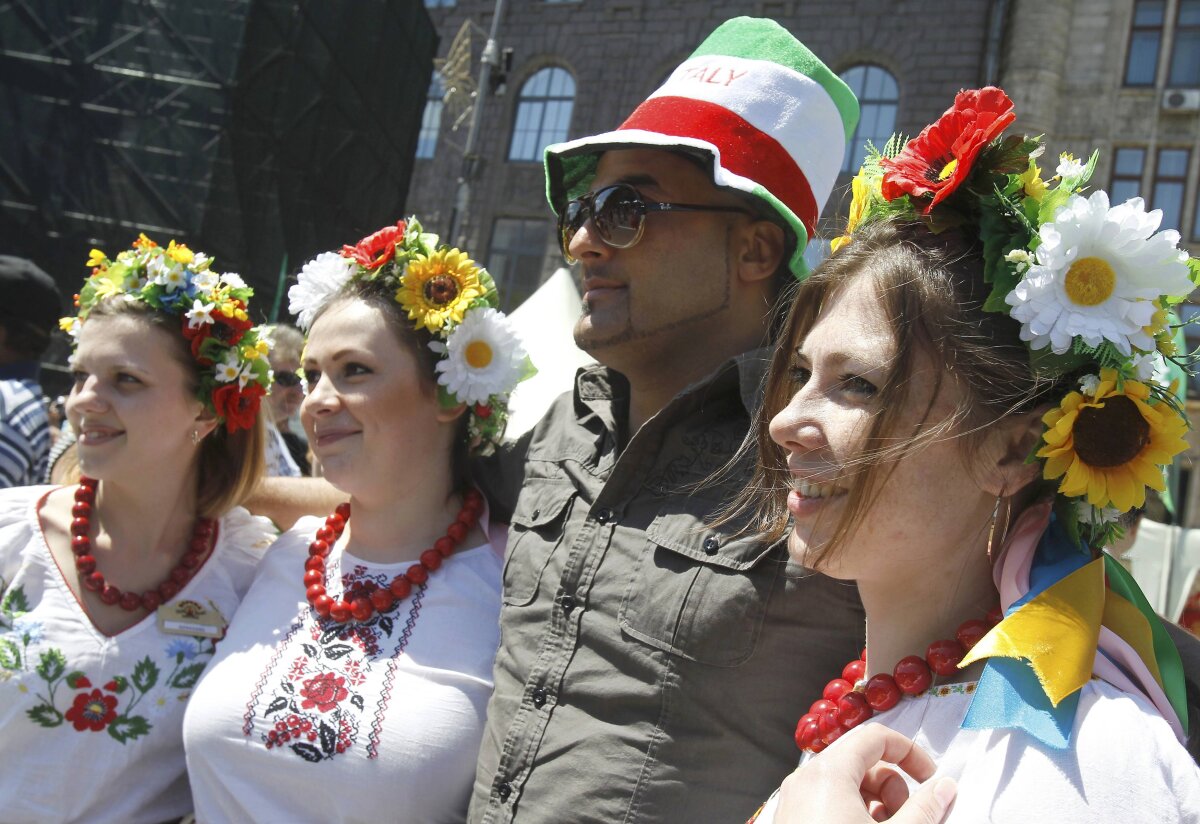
{"x": 260, "y": 131}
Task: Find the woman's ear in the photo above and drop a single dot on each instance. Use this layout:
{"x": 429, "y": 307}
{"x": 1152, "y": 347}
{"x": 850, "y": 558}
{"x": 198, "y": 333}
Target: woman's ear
{"x": 449, "y": 414}
{"x": 1010, "y": 444}
{"x": 204, "y": 424}
{"x": 761, "y": 251}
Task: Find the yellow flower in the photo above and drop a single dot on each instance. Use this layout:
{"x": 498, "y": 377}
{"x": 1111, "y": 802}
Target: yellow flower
{"x": 96, "y": 258}
{"x": 250, "y": 353}
{"x": 437, "y": 289}
{"x": 106, "y": 286}
{"x": 179, "y": 253}
{"x": 1111, "y": 444}
{"x": 227, "y": 309}
{"x": 262, "y": 347}
{"x": 1035, "y": 187}
{"x": 66, "y": 324}
{"x": 860, "y": 190}
{"x": 240, "y": 314}
{"x": 144, "y": 242}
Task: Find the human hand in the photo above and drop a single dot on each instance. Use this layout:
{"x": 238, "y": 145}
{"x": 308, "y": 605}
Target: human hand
{"x": 852, "y": 782}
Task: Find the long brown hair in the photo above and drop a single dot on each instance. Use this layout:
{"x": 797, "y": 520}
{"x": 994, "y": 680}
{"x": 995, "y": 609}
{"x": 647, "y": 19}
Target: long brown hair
{"x": 932, "y": 291}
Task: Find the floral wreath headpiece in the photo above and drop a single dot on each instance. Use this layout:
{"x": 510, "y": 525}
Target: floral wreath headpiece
{"x": 1092, "y": 285}
{"x": 445, "y": 293}
{"x": 230, "y": 351}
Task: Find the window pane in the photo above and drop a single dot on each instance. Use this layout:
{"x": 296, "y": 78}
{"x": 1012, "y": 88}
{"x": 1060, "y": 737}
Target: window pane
{"x": 1168, "y": 196}
{"x": 543, "y": 113}
{"x": 1129, "y": 162}
{"x": 1172, "y": 163}
{"x": 431, "y": 119}
{"x": 516, "y": 257}
{"x": 1185, "y": 60}
{"x": 1189, "y": 13}
{"x": 1148, "y": 13}
{"x": 1122, "y": 190}
{"x": 1196, "y": 222}
{"x": 878, "y": 96}
{"x": 1143, "y": 58}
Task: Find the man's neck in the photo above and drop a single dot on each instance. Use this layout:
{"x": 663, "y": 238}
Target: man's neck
{"x": 651, "y": 390}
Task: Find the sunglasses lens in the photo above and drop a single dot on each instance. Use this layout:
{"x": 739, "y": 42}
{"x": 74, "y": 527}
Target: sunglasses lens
{"x": 569, "y": 221}
{"x": 617, "y": 215}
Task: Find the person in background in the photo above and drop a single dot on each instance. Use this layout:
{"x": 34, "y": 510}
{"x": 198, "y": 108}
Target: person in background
{"x": 115, "y": 589}
{"x": 29, "y": 308}
{"x": 363, "y": 655}
{"x": 287, "y": 451}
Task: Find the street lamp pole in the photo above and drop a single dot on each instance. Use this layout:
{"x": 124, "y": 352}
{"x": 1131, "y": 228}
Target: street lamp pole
{"x": 489, "y": 62}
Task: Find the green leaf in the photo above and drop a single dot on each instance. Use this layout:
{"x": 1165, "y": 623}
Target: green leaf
{"x": 1193, "y": 265}
{"x": 73, "y": 677}
{"x": 53, "y": 662}
{"x": 187, "y": 677}
{"x": 15, "y": 601}
{"x": 45, "y": 715}
{"x": 1008, "y": 155}
{"x": 1045, "y": 362}
{"x": 145, "y": 674}
{"x": 125, "y": 727}
{"x": 10, "y": 655}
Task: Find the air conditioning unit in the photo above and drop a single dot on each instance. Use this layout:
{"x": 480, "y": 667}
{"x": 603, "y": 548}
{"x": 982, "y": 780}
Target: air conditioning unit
{"x": 1181, "y": 100}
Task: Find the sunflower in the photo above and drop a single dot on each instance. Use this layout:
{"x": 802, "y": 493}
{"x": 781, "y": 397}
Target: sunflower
{"x": 437, "y": 288}
{"x": 1110, "y": 444}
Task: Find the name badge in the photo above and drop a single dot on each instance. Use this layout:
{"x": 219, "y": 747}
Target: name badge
{"x": 192, "y": 618}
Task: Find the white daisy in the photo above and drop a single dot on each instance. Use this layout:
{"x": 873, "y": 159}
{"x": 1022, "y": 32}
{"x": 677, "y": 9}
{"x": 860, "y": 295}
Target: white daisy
{"x": 207, "y": 280}
{"x": 199, "y": 259}
{"x": 173, "y": 279}
{"x": 246, "y": 375}
{"x": 200, "y": 314}
{"x": 233, "y": 280}
{"x": 1098, "y": 271}
{"x": 483, "y": 357}
{"x": 319, "y": 280}
{"x": 229, "y": 369}
{"x": 1151, "y": 366}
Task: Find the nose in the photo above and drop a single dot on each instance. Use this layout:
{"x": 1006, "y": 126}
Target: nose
{"x": 796, "y": 427}
{"x": 322, "y": 399}
{"x": 586, "y": 244}
{"x": 85, "y": 398}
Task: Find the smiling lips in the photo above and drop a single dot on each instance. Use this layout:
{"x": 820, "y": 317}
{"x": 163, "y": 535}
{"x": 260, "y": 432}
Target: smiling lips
{"x": 327, "y": 437}
{"x": 94, "y": 435}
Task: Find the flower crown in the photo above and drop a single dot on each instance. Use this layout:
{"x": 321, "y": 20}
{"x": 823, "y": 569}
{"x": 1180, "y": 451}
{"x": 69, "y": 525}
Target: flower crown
{"x": 448, "y": 295}
{"x": 230, "y": 351}
{"x": 1092, "y": 285}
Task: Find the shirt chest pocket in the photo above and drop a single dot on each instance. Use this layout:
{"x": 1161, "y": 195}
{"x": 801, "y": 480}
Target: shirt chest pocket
{"x": 699, "y": 592}
{"x": 535, "y": 532}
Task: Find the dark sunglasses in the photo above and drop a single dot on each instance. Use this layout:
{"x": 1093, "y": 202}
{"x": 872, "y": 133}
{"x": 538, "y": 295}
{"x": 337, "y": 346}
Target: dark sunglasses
{"x": 618, "y": 214}
{"x": 288, "y": 379}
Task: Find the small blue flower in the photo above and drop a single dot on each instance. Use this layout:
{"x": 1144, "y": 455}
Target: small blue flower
{"x": 187, "y": 647}
{"x": 30, "y": 632}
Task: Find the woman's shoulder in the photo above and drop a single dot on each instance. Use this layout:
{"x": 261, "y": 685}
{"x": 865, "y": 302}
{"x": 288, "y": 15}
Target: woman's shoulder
{"x": 15, "y": 502}
{"x": 250, "y": 534}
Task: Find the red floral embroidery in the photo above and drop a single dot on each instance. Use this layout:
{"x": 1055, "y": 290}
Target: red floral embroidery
{"x": 92, "y": 711}
{"x": 324, "y": 692}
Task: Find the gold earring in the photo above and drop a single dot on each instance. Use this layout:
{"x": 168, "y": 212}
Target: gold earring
{"x": 992, "y": 531}
{"x": 195, "y": 437}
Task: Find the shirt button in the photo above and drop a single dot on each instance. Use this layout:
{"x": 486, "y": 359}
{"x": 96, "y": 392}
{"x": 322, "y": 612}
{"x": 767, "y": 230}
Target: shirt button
{"x": 504, "y": 791}
{"x": 536, "y": 514}
{"x": 568, "y": 604}
{"x": 711, "y": 544}
{"x": 604, "y": 516}
{"x": 539, "y": 697}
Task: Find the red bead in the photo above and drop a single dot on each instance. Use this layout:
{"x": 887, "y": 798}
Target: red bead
{"x": 444, "y": 546}
{"x": 110, "y": 595}
{"x": 473, "y": 495}
{"x": 807, "y": 731}
{"x": 315, "y": 562}
{"x": 80, "y": 526}
{"x": 326, "y": 534}
{"x": 81, "y": 544}
{"x": 85, "y": 563}
{"x": 970, "y": 633}
{"x": 831, "y": 726}
{"x": 198, "y": 546}
{"x": 431, "y": 559}
{"x": 836, "y": 688}
{"x": 340, "y": 612}
{"x": 85, "y": 494}
{"x": 313, "y": 578}
{"x": 322, "y": 605}
{"x": 190, "y": 560}
{"x": 855, "y": 671}
{"x": 94, "y": 581}
{"x": 912, "y": 675}
{"x": 466, "y": 518}
{"x": 882, "y": 692}
{"x": 318, "y": 549}
{"x": 336, "y": 522}
{"x": 400, "y": 587}
{"x": 204, "y": 527}
{"x": 853, "y": 709}
{"x": 382, "y": 599}
{"x": 151, "y": 600}
{"x": 168, "y": 590}
{"x": 995, "y": 615}
{"x": 314, "y": 591}
{"x": 343, "y": 509}
{"x": 81, "y": 509}
{"x": 943, "y": 656}
{"x": 822, "y": 705}
{"x": 456, "y": 532}
{"x": 816, "y": 746}
{"x": 862, "y": 656}
{"x": 361, "y": 609}
{"x": 474, "y": 507}
{"x": 181, "y": 575}
{"x": 417, "y": 574}
{"x": 131, "y": 601}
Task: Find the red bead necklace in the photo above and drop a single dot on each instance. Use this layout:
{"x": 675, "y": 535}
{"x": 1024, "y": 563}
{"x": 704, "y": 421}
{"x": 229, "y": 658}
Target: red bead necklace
{"x": 852, "y": 699}
{"x": 366, "y": 598}
{"x": 85, "y": 562}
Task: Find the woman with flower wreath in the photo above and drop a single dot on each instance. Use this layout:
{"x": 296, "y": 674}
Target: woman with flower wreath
{"x": 363, "y": 655}
{"x": 966, "y": 397}
{"x": 116, "y": 589}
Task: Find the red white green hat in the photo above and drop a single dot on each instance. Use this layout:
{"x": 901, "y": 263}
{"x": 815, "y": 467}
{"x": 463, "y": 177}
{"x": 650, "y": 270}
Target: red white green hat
{"x": 770, "y": 116}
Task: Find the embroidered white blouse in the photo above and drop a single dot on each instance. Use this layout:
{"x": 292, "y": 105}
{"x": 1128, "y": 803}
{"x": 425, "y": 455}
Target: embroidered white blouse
{"x": 303, "y": 719}
{"x": 91, "y": 724}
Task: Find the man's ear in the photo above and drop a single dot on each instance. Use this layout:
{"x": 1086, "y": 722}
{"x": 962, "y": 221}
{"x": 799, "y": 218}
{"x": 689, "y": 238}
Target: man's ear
{"x": 1010, "y": 443}
{"x": 760, "y": 250}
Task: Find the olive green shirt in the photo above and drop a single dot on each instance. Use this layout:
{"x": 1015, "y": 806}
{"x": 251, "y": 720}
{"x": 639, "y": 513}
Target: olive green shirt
{"x": 651, "y": 668}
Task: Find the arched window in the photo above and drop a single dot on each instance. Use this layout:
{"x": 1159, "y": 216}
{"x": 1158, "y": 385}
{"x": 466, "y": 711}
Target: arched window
{"x": 543, "y": 113}
{"x": 431, "y": 120}
{"x": 878, "y": 96}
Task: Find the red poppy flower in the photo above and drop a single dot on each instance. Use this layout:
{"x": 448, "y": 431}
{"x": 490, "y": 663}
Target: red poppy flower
{"x": 92, "y": 711}
{"x": 237, "y": 406}
{"x": 939, "y": 159}
{"x": 324, "y": 692}
{"x": 376, "y": 249}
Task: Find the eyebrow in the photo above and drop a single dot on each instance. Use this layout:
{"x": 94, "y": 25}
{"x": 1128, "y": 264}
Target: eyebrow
{"x": 337, "y": 356}
{"x": 838, "y": 357}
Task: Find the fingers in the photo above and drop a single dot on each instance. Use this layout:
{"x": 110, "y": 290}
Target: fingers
{"x": 929, "y": 804}
{"x": 860, "y": 752}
